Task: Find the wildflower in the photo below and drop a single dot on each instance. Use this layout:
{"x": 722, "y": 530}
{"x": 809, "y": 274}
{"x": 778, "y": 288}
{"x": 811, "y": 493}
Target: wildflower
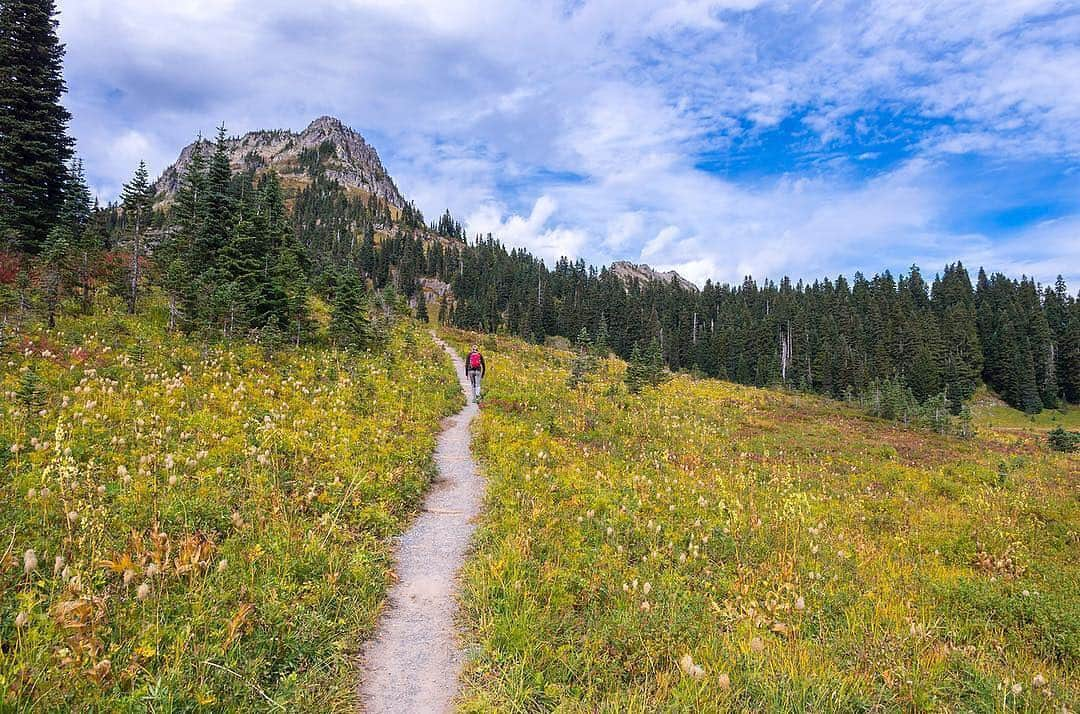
{"x": 121, "y": 471}
{"x": 73, "y": 517}
{"x": 143, "y": 591}
{"x": 800, "y": 603}
{"x": 65, "y": 574}
{"x": 1017, "y": 688}
{"x": 172, "y": 479}
{"x": 58, "y": 564}
{"x": 1038, "y": 681}
{"x": 151, "y": 570}
{"x": 21, "y": 619}
{"x": 129, "y": 575}
{"x": 686, "y": 664}
{"x": 29, "y": 561}
{"x": 723, "y": 681}
{"x": 31, "y": 494}
{"x": 646, "y": 588}
{"x": 757, "y": 646}
{"x": 222, "y": 565}
{"x": 101, "y": 490}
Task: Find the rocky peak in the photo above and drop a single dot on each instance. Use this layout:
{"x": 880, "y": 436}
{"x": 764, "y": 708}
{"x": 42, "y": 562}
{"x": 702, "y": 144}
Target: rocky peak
{"x": 354, "y": 163}
{"x": 634, "y": 271}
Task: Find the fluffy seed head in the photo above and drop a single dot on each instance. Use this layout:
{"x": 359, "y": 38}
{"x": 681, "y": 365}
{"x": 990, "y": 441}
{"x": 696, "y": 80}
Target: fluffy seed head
{"x": 29, "y": 561}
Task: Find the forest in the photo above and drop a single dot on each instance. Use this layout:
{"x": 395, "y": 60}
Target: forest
{"x": 239, "y": 255}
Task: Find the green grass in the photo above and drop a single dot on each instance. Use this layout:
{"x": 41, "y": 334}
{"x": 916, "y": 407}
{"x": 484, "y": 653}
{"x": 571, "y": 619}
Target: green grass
{"x": 229, "y": 543}
{"x": 990, "y": 412}
{"x": 805, "y": 557}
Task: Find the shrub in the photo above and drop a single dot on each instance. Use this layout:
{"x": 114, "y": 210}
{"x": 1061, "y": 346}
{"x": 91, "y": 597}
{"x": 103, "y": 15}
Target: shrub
{"x": 1062, "y": 440}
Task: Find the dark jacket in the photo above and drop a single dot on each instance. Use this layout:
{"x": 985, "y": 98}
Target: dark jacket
{"x": 483, "y": 367}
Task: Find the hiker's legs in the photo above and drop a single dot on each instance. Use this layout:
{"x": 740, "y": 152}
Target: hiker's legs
{"x": 474, "y": 378}
{"x": 479, "y": 376}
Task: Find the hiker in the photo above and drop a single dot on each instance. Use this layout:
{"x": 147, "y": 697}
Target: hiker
{"x": 474, "y": 370}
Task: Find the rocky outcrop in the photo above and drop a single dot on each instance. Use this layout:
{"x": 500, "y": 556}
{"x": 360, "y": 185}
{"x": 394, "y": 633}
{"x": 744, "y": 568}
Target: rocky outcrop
{"x": 633, "y": 271}
{"x": 353, "y": 162}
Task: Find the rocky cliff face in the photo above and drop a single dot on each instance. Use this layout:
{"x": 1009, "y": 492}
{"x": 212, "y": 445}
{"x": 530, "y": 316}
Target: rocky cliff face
{"x": 630, "y": 271}
{"x": 354, "y": 163}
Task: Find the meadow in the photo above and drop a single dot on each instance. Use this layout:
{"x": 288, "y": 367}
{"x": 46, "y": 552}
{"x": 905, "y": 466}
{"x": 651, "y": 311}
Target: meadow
{"x": 704, "y": 546}
{"x": 201, "y": 526}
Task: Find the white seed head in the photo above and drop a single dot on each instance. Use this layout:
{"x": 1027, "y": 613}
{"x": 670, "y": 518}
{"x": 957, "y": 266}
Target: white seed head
{"x": 21, "y": 619}
{"x": 143, "y": 591}
{"x": 29, "y": 561}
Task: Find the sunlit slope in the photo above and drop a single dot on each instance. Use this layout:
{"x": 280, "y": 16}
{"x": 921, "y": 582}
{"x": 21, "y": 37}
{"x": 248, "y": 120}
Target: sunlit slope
{"x": 793, "y": 554}
{"x": 196, "y": 525}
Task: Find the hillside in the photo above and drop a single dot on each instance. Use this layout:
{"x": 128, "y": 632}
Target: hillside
{"x": 353, "y": 162}
{"x": 201, "y": 526}
{"x": 708, "y": 547}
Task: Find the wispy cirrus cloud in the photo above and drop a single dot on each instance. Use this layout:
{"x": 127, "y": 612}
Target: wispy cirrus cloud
{"x": 718, "y": 138}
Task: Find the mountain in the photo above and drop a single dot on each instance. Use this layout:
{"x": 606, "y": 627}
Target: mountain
{"x": 346, "y": 158}
{"x": 634, "y": 271}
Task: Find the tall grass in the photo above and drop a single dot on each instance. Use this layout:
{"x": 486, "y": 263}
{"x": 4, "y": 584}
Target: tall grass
{"x": 704, "y": 546}
{"x": 193, "y": 525}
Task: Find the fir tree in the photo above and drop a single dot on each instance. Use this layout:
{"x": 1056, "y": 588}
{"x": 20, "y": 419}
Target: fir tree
{"x": 34, "y": 146}
{"x": 137, "y": 197}
{"x": 350, "y": 323}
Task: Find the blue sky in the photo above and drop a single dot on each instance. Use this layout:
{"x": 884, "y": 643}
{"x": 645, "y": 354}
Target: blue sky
{"x": 716, "y": 138}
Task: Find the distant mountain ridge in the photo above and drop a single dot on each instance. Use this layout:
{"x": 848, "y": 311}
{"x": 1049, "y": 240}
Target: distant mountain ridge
{"x": 640, "y": 271}
{"x": 355, "y": 164}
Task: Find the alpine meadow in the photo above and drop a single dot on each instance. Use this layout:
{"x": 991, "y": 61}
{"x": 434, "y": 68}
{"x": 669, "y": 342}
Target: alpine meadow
{"x": 743, "y": 375}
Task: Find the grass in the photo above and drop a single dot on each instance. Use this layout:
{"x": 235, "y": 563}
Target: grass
{"x": 990, "y": 412}
{"x": 201, "y": 526}
{"x": 708, "y": 547}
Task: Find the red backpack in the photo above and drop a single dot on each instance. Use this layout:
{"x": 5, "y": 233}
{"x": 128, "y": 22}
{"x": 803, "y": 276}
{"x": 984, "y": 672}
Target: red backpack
{"x": 474, "y": 360}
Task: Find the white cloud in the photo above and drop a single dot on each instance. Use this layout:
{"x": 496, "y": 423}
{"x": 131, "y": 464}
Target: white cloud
{"x": 532, "y": 232}
{"x": 575, "y": 127}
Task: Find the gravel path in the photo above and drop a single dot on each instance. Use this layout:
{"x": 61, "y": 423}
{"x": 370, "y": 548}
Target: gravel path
{"x": 415, "y": 659}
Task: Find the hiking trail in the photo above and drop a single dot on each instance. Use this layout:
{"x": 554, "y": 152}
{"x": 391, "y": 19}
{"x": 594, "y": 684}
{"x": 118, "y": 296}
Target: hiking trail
{"x": 414, "y": 661}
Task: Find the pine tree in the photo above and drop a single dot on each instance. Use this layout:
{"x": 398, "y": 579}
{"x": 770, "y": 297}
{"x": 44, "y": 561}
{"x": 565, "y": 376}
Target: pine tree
{"x": 177, "y": 258}
{"x": 636, "y": 370}
{"x": 137, "y": 197}
{"x": 350, "y": 324}
{"x": 34, "y": 146}
{"x": 65, "y": 253}
{"x": 86, "y": 244}
{"x": 584, "y": 361}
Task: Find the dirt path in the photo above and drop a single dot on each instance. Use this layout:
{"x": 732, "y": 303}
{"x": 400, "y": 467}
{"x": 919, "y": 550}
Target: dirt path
{"x": 415, "y": 659}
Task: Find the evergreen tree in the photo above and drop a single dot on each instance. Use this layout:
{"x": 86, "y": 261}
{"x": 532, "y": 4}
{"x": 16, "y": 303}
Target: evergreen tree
{"x": 34, "y": 146}
{"x": 137, "y": 197}
{"x": 350, "y": 324}
{"x": 86, "y": 244}
{"x": 584, "y": 361}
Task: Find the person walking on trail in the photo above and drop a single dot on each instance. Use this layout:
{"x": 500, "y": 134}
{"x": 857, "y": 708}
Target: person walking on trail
{"x": 474, "y": 371}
